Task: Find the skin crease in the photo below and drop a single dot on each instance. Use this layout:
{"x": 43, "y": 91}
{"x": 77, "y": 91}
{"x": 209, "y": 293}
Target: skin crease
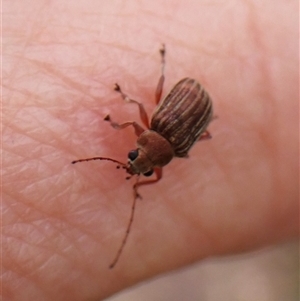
{"x": 62, "y": 224}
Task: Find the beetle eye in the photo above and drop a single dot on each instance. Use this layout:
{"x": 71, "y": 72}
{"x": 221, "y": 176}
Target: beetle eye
{"x": 148, "y": 173}
{"x": 132, "y": 155}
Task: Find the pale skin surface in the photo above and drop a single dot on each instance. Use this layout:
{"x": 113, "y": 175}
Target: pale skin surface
{"x": 63, "y": 223}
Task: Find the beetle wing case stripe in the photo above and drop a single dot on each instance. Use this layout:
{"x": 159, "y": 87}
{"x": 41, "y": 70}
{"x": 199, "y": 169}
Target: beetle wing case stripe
{"x": 183, "y": 115}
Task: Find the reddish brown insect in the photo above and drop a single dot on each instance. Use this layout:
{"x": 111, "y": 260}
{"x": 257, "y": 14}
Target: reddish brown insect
{"x": 179, "y": 120}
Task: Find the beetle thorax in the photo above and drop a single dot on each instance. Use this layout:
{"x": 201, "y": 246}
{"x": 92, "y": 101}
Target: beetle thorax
{"x": 154, "y": 151}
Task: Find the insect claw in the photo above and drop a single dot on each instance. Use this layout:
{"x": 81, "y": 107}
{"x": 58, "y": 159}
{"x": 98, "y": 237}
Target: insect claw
{"x": 117, "y": 87}
{"x": 107, "y": 118}
{"x": 162, "y": 50}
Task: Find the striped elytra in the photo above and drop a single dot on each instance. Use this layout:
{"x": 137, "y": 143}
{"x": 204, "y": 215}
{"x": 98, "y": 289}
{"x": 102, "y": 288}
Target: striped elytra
{"x": 179, "y": 120}
{"x": 183, "y": 115}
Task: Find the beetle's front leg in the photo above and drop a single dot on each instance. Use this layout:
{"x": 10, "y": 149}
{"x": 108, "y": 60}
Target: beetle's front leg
{"x": 137, "y": 128}
{"x": 143, "y": 113}
{"x": 161, "y": 80}
{"x": 158, "y": 173}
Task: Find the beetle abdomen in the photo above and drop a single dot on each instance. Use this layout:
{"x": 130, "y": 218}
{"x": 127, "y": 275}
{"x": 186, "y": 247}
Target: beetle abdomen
{"x": 183, "y": 115}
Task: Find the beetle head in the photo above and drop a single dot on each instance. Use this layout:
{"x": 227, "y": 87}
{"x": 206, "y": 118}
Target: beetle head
{"x": 139, "y": 163}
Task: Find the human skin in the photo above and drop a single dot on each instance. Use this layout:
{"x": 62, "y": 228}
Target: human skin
{"x": 62, "y": 224}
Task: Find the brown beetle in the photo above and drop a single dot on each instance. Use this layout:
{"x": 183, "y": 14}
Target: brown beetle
{"x": 179, "y": 120}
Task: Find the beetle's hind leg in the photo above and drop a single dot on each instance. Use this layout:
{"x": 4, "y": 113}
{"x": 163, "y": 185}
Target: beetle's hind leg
{"x": 205, "y": 136}
{"x": 143, "y": 113}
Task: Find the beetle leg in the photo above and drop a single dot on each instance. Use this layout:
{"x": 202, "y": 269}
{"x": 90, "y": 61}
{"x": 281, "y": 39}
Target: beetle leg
{"x": 205, "y": 135}
{"x": 160, "y": 84}
{"x": 143, "y": 113}
{"x": 158, "y": 172}
{"x": 137, "y": 128}
{"x": 120, "y": 250}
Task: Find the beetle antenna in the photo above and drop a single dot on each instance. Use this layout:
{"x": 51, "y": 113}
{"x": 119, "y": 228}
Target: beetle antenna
{"x": 101, "y": 158}
{"x": 135, "y": 197}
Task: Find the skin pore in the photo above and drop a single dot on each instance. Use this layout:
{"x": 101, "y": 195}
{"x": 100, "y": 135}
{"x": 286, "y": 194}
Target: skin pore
{"x": 62, "y": 224}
